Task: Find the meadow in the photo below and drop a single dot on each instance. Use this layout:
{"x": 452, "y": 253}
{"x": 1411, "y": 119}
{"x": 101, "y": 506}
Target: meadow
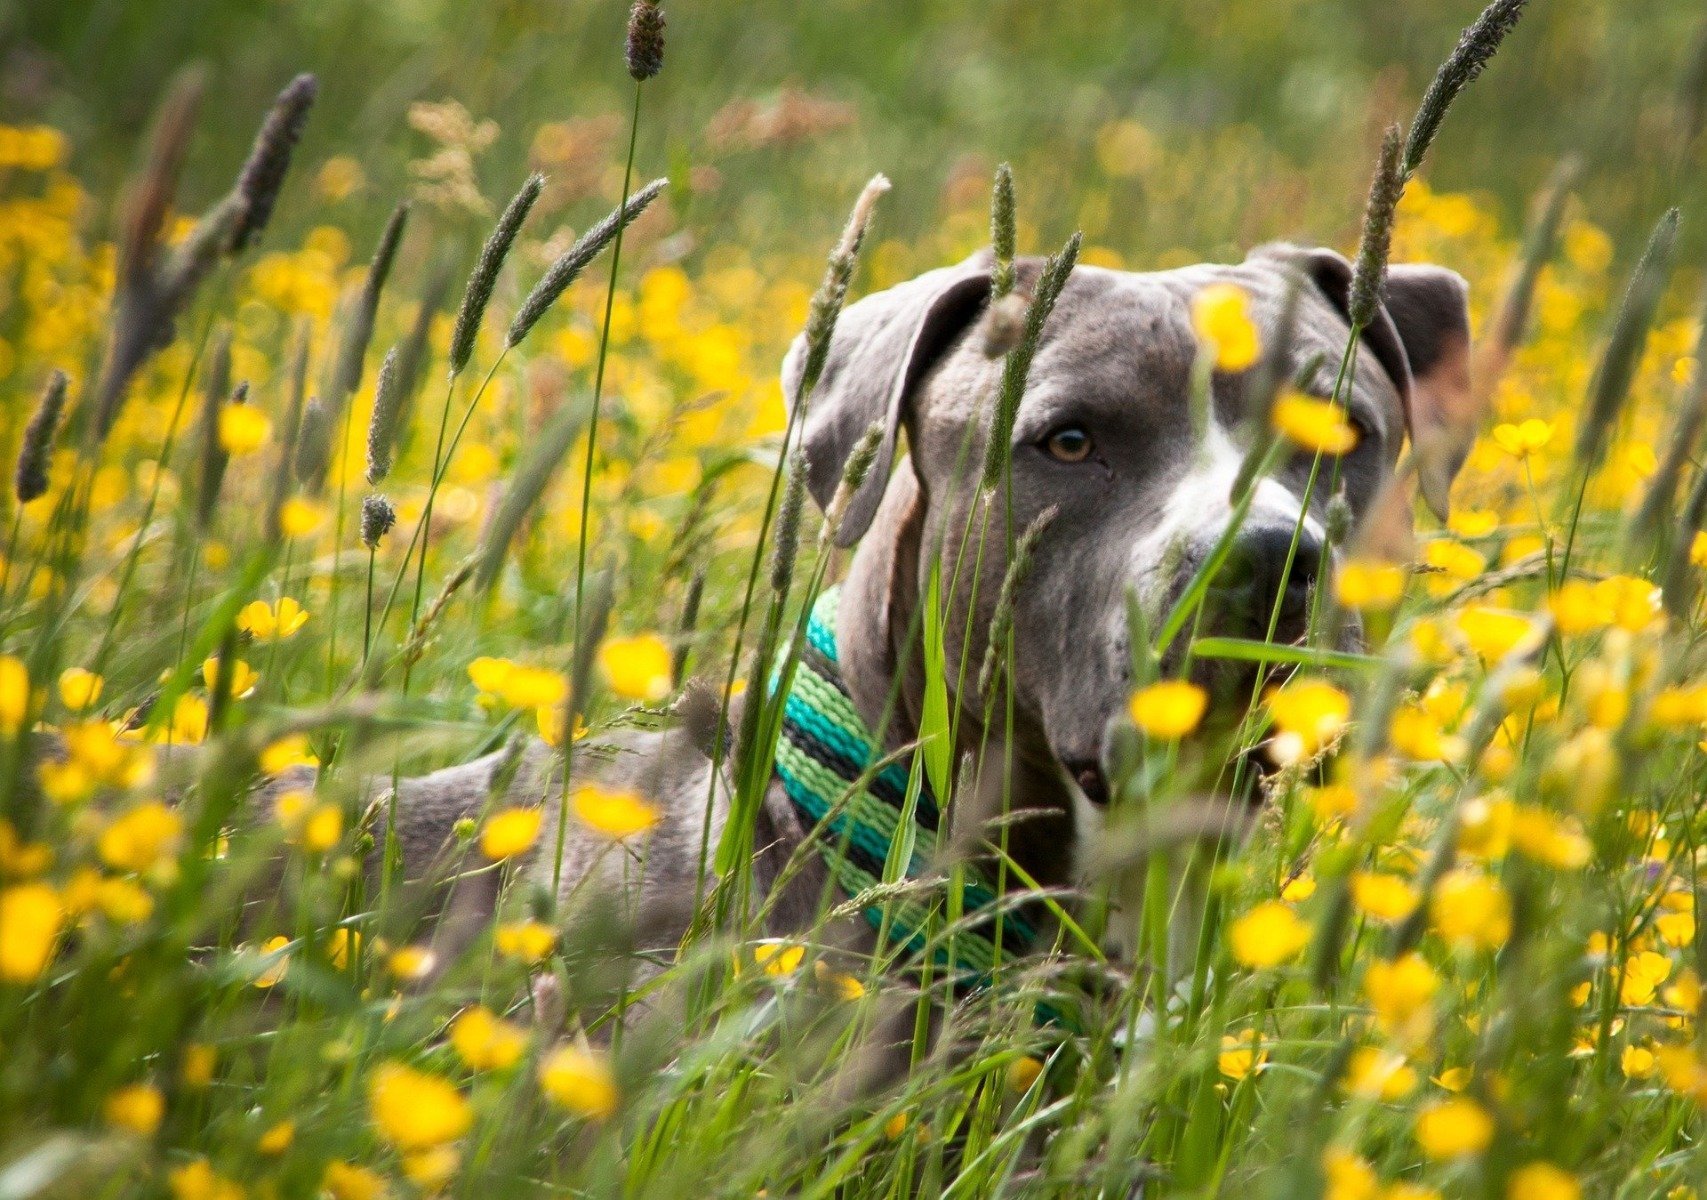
{"x": 354, "y": 445}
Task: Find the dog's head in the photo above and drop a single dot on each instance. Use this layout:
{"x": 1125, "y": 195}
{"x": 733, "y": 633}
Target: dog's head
{"x": 1104, "y": 437}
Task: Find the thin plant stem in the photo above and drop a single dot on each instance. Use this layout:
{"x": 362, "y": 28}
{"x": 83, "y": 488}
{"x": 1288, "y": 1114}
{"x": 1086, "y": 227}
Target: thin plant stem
{"x": 587, "y": 487}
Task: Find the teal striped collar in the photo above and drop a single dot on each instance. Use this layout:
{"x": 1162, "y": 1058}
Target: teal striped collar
{"x": 826, "y": 758}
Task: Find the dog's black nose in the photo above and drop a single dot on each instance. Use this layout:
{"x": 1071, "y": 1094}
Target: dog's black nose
{"x": 1267, "y": 579}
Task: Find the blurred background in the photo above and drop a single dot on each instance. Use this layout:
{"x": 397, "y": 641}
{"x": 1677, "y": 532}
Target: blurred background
{"x": 1167, "y": 129}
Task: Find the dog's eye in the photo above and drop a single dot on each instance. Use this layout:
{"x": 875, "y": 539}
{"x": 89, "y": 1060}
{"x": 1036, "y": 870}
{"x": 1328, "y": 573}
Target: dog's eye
{"x": 1069, "y": 444}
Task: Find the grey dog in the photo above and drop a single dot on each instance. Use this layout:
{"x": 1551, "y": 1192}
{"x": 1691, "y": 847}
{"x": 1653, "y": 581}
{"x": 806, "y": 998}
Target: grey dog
{"x": 1104, "y": 437}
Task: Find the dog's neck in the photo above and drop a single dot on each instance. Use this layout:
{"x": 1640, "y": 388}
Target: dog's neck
{"x": 884, "y": 674}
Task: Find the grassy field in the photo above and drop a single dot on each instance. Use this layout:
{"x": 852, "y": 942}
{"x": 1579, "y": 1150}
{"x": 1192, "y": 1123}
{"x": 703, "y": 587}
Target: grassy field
{"x": 1458, "y": 957}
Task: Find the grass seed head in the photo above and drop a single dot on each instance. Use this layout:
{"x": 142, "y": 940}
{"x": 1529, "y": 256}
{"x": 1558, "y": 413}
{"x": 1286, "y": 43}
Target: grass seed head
{"x": 484, "y": 278}
{"x": 36, "y": 448}
{"x": 859, "y": 464}
{"x": 269, "y": 159}
{"x": 216, "y": 379}
{"x": 358, "y": 331}
{"x": 832, "y": 293}
{"x": 645, "y": 46}
{"x": 1476, "y": 46}
{"x": 787, "y": 537}
{"x": 1617, "y": 369}
{"x": 1003, "y": 239}
{"x": 314, "y": 445}
{"x": 1018, "y": 365}
{"x": 382, "y": 425}
{"x": 1002, "y": 622}
{"x": 378, "y": 516}
{"x": 577, "y": 258}
{"x": 1369, "y": 278}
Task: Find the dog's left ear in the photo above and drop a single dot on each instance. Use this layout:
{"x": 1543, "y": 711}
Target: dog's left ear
{"x": 883, "y": 346}
{"x": 1421, "y": 337}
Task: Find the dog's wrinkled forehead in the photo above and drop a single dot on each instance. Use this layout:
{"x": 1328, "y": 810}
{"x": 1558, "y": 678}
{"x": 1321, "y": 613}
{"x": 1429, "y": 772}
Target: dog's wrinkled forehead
{"x": 1126, "y": 338}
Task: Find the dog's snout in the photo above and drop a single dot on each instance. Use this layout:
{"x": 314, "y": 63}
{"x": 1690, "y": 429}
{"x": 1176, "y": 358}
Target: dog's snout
{"x": 1268, "y": 577}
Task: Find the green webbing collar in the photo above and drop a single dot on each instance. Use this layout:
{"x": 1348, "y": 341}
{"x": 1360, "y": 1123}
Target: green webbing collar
{"x": 823, "y": 755}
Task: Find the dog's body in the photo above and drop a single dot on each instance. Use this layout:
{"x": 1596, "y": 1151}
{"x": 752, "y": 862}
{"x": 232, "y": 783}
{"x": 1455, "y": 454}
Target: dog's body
{"x": 1104, "y": 438}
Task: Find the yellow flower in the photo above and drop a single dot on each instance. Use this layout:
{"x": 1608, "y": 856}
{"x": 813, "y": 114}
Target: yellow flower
{"x": 1377, "y": 1074}
{"x": 1268, "y": 935}
{"x": 1471, "y": 910}
{"x": 1382, "y": 896}
{"x": 1221, "y": 317}
{"x": 1454, "y": 1128}
{"x": 136, "y": 1109}
{"x": 1643, "y": 974}
{"x": 1369, "y": 584}
{"x": 299, "y": 517}
{"x": 1315, "y": 425}
{"x": 1633, "y": 603}
{"x": 196, "y": 1069}
{"x": 198, "y": 1180}
{"x": 486, "y": 1042}
{"x": 20, "y": 859}
{"x": 1698, "y": 550}
{"x": 243, "y": 681}
{"x": 1493, "y": 633}
{"x": 1401, "y": 993}
{"x": 613, "y": 813}
{"x": 1454, "y": 560}
{"x": 1679, "y": 707}
{"x": 488, "y": 674}
{"x": 1332, "y": 801}
{"x": 1169, "y": 710}
{"x": 14, "y": 694}
{"x": 1022, "y": 1072}
{"x": 778, "y": 959}
{"x": 277, "y": 1140}
{"x": 1637, "y": 1062}
{"x": 1299, "y": 888}
{"x": 550, "y": 723}
{"x": 31, "y": 915}
{"x": 287, "y": 752}
{"x": 431, "y": 1169}
{"x": 1348, "y": 1176}
{"x": 1240, "y": 1055}
{"x": 1676, "y": 929}
{"x": 78, "y": 688}
{"x": 243, "y": 429}
{"x": 1484, "y": 826}
{"x": 525, "y": 941}
{"x": 141, "y": 838}
{"x": 123, "y": 901}
{"x": 414, "y": 1110}
{"x": 189, "y": 721}
{"x": 1683, "y": 1071}
{"x": 1308, "y": 714}
{"x": 272, "y": 622}
{"x": 1542, "y": 1181}
{"x": 580, "y": 1081}
{"x": 271, "y": 972}
{"x": 1547, "y": 838}
{"x": 510, "y": 832}
{"x": 1454, "y": 1079}
{"x": 348, "y": 1181}
{"x": 637, "y": 668}
{"x": 411, "y": 962}
{"x": 1522, "y": 440}
{"x": 1472, "y": 523}
{"x": 1578, "y": 608}
{"x": 843, "y": 984}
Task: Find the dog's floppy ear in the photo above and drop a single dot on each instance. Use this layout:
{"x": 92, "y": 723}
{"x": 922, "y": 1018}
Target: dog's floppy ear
{"x": 1421, "y": 336}
{"x": 882, "y": 347}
